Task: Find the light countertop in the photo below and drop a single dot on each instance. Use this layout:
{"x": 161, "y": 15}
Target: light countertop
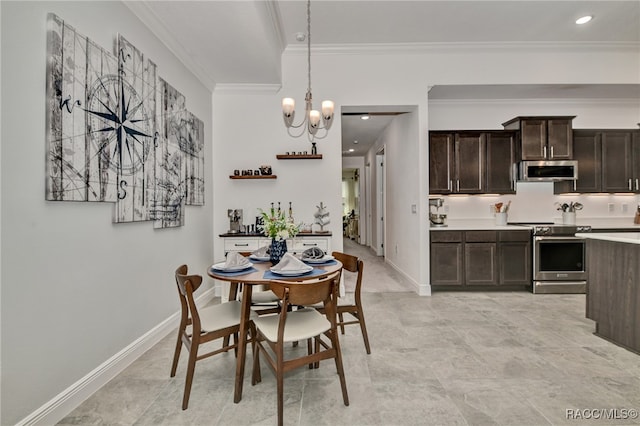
{"x": 613, "y": 224}
{"x": 619, "y": 237}
{"x": 608, "y": 223}
{"x": 475, "y": 225}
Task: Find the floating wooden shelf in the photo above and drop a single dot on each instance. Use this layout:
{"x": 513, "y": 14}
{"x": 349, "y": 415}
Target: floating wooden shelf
{"x": 299, "y": 157}
{"x": 253, "y": 177}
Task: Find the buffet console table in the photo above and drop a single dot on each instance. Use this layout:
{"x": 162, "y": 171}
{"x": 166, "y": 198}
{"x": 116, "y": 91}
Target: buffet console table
{"x": 249, "y": 242}
{"x": 613, "y": 287}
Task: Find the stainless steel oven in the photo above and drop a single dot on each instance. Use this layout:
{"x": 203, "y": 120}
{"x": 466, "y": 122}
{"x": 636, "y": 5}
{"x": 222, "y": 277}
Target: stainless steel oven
{"x": 559, "y": 259}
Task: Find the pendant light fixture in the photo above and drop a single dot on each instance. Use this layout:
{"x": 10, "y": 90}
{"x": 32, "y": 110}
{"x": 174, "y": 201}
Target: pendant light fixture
{"x": 312, "y": 118}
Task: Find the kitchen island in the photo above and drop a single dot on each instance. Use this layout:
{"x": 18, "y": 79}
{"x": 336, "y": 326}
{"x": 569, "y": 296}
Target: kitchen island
{"x": 613, "y": 286}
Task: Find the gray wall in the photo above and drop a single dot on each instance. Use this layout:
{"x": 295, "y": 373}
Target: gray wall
{"x": 76, "y": 288}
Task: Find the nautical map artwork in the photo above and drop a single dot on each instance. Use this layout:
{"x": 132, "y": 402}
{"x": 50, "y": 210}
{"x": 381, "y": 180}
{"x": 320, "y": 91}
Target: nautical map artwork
{"x": 119, "y": 133}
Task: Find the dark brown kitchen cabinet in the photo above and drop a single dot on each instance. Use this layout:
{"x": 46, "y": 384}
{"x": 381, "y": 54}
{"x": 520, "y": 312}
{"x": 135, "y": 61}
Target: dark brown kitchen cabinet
{"x": 543, "y": 138}
{"x": 440, "y": 162}
{"x": 587, "y": 151}
{"x": 514, "y": 258}
{"x": 617, "y": 161}
{"x": 457, "y": 162}
{"x": 446, "y": 258}
{"x": 501, "y": 161}
{"x": 608, "y": 161}
{"x": 481, "y": 258}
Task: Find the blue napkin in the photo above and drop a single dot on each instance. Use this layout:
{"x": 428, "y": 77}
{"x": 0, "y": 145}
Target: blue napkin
{"x": 234, "y": 273}
{"x": 268, "y": 275}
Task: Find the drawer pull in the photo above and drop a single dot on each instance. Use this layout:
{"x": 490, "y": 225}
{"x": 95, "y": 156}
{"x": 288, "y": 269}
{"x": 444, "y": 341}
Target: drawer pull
{"x": 241, "y": 245}
{"x": 309, "y": 244}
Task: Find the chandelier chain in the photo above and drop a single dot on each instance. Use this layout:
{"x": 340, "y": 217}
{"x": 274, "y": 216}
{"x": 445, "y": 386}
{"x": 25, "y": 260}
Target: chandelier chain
{"x": 309, "y": 44}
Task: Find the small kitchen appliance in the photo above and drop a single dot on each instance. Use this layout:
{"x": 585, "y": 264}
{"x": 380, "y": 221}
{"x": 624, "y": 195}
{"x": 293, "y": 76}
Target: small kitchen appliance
{"x": 435, "y": 217}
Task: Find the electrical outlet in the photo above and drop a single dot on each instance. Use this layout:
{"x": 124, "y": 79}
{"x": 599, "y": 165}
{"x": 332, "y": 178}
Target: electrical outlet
{"x": 446, "y": 209}
{"x": 611, "y": 207}
{"x": 625, "y": 208}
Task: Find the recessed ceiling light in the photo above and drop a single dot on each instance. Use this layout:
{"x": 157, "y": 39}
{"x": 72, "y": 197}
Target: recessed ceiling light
{"x": 355, "y": 141}
{"x": 584, "y": 19}
{"x": 351, "y": 150}
{"x": 364, "y": 117}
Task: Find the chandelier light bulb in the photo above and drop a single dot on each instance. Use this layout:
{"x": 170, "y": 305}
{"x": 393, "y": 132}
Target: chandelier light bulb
{"x": 288, "y": 106}
{"x": 314, "y": 121}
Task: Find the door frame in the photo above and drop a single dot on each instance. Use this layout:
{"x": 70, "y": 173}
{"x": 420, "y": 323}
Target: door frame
{"x": 380, "y": 202}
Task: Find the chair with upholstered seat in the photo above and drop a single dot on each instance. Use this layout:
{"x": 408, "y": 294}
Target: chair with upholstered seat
{"x": 202, "y": 325}
{"x": 273, "y": 331}
{"x": 352, "y": 264}
{"x": 263, "y": 301}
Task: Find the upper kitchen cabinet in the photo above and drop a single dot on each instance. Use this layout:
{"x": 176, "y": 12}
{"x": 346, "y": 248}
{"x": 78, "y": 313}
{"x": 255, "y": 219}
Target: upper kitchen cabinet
{"x": 543, "y": 138}
{"x": 501, "y": 161}
{"x": 608, "y": 161}
{"x": 620, "y": 161}
{"x": 587, "y": 151}
{"x": 457, "y": 162}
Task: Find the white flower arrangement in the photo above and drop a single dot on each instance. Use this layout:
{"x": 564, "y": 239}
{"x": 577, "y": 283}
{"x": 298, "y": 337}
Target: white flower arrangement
{"x": 275, "y": 225}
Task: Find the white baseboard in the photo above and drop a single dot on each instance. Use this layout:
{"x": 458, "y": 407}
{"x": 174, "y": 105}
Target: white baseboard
{"x": 421, "y": 290}
{"x": 66, "y": 401}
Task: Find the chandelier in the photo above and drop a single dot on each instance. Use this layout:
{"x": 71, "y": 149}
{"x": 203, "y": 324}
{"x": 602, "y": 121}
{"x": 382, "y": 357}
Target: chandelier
{"x": 311, "y": 122}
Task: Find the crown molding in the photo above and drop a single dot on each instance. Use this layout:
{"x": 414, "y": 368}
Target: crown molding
{"x": 247, "y": 88}
{"x": 545, "y": 101}
{"x": 149, "y": 19}
{"x": 273, "y": 12}
{"x": 421, "y": 48}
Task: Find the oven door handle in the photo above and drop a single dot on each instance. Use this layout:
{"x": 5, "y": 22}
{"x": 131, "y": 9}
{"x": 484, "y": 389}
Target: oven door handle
{"x": 550, "y": 238}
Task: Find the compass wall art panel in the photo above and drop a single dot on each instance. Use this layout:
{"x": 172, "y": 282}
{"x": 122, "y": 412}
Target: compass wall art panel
{"x": 137, "y": 77}
{"x": 170, "y": 178}
{"x": 117, "y": 132}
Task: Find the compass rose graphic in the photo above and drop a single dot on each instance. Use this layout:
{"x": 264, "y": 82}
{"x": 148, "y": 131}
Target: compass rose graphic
{"x": 118, "y": 124}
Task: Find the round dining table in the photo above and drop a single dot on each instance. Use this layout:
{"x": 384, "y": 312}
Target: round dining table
{"x": 259, "y": 274}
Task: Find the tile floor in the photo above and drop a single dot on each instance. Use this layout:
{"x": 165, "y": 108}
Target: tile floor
{"x": 481, "y": 358}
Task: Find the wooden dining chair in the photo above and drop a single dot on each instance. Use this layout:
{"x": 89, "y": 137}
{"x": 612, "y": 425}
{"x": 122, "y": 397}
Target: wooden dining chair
{"x": 273, "y": 331}
{"x": 263, "y": 301}
{"x": 202, "y": 325}
{"x": 354, "y": 265}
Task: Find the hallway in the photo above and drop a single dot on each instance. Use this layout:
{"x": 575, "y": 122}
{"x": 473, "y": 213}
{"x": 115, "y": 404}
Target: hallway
{"x": 378, "y": 276}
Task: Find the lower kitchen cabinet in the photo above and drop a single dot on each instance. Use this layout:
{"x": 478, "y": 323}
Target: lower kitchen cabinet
{"x": 446, "y": 252}
{"x": 480, "y": 262}
{"x": 475, "y": 259}
{"x": 514, "y": 258}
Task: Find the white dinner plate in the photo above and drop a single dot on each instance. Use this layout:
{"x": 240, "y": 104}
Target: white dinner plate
{"x": 293, "y": 273}
{"x": 259, "y": 258}
{"x": 220, "y": 267}
{"x": 325, "y": 259}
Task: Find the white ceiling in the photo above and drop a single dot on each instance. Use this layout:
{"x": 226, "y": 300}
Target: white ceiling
{"x": 242, "y": 41}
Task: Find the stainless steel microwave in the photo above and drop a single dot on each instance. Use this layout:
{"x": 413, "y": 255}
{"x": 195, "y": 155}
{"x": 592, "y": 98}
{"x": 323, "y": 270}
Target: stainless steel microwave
{"x": 548, "y": 171}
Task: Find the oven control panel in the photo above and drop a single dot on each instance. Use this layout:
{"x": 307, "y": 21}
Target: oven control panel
{"x": 560, "y": 230}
